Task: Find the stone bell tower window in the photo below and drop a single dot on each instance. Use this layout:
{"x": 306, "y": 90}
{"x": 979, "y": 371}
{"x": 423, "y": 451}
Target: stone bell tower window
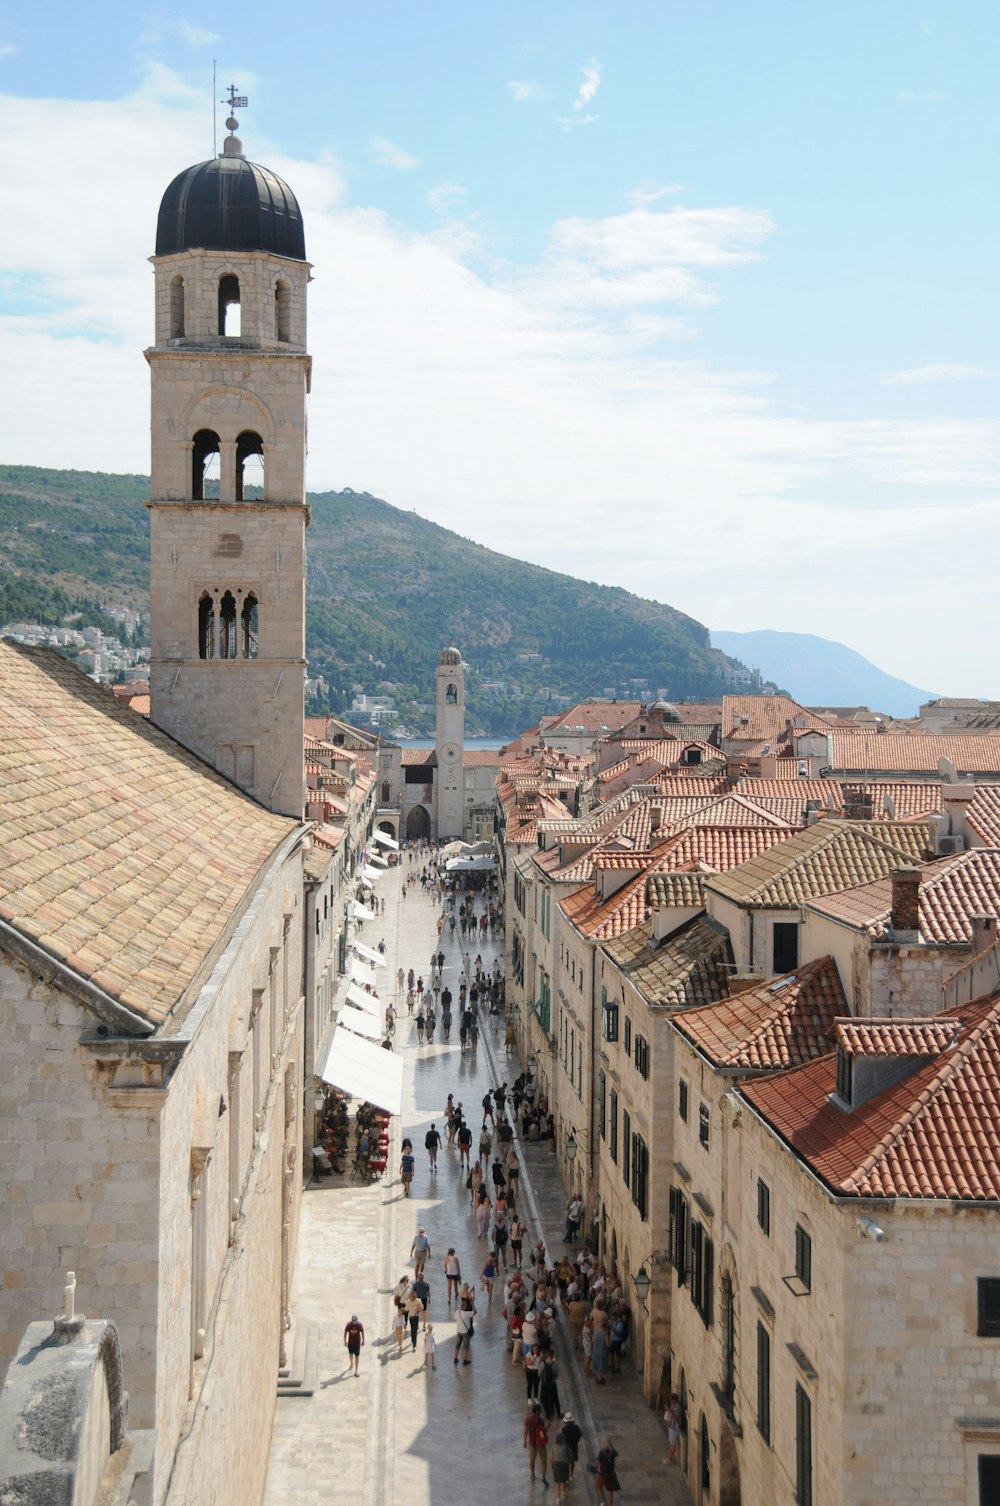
{"x": 248, "y": 627}
{"x": 176, "y": 307}
{"x": 283, "y": 311}
{"x": 249, "y": 466}
{"x": 227, "y": 626}
{"x": 229, "y": 305}
{"x": 451, "y": 695}
{"x": 205, "y": 465}
{"x": 206, "y": 627}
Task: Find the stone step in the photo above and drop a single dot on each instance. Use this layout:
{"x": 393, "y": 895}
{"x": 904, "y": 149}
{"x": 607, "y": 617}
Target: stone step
{"x": 299, "y": 1376}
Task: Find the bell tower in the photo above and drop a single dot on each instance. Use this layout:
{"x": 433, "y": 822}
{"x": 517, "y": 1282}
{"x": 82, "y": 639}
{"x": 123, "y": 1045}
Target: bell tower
{"x": 230, "y": 374}
{"x": 449, "y": 743}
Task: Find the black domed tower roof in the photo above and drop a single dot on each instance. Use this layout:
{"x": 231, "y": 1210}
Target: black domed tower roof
{"x": 230, "y": 204}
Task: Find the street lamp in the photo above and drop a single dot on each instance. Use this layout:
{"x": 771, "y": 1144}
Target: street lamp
{"x": 532, "y": 1065}
{"x": 571, "y": 1147}
{"x": 320, "y": 1099}
{"x": 642, "y": 1283}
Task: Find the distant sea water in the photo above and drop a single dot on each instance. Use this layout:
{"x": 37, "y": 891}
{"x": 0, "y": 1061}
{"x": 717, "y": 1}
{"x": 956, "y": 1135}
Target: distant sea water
{"x": 470, "y": 742}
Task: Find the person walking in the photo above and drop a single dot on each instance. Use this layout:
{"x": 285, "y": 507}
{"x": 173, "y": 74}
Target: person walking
{"x": 516, "y": 1240}
{"x": 452, "y": 1273}
{"x": 398, "y": 1324}
{"x": 421, "y": 1025}
{"x": 414, "y": 1311}
{"x": 532, "y": 1365}
{"x": 483, "y": 1210}
{"x": 485, "y": 1144}
{"x": 488, "y": 1275}
{"x": 432, "y": 1140}
{"x": 499, "y": 1180}
{"x": 420, "y": 1250}
{"x": 464, "y": 1138}
{"x": 672, "y": 1418}
{"x": 573, "y": 1433}
{"x": 536, "y": 1441}
{"x": 465, "y": 1328}
{"x": 548, "y": 1390}
{"x": 400, "y": 980}
{"x": 474, "y": 1181}
{"x": 574, "y": 1216}
{"x": 354, "y": 1340}
{"x": 430, "y": 1348}
{"x": 406, "y": 1170}
{"x": 561, "y": 1458}
{"x": 607, "y": 1475}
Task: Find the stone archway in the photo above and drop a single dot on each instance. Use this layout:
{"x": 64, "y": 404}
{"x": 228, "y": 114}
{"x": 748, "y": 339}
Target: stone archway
{"x": 389, "y": 825}
{"x": 418, "y": 824}
{"x": 729, "y": 1469}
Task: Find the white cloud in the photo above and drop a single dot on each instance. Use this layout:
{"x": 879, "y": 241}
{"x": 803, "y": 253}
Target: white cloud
{"x": 444, "y": 197}
{"x": 573, "y": 122}
{"x": 557, "y": 397}
{"x": 523, "y": 89}
{"x": 196, "y": 36}
{"x": 589, "y": 87}
{"x": 387, "y": 154}
{"x": 645, "y": 195}
{"x": 916, "y": 376}
{"x": 7, "y": 50}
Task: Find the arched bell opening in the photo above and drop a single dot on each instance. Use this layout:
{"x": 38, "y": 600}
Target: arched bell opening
{"x": 249, "y": 627}
{"x": 205, "y": 471}
{"x": 249, "y": 466}
{"x": 229, "y": 305}
{"x": 177, "y": 307}
{"x": 283, "y": 311}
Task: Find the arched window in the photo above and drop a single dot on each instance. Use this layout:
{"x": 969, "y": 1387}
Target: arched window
{"x": 176, "y": 307}
{"x": 229, "y": 305}
{"x": 248, "y": 627}
{"x": 206, "y": 627}
{"x": 249, "y": 466}
{"x": 205, "y": 465}
{"x": 226, "y": 633}
{"x": 283, "y": 311}
{"x": 451, "y": 695}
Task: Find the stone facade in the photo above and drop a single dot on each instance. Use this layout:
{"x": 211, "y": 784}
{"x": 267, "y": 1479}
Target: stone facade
{"x": 449, "y": 745}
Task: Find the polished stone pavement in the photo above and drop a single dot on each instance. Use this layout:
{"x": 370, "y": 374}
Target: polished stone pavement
{"x": 401, "y": 1434}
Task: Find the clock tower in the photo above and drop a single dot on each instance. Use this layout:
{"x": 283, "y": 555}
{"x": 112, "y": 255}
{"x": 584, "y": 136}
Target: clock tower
{"x": 449, "y": 744}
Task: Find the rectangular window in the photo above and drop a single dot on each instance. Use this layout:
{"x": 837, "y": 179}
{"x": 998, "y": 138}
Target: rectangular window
{"x": 803, "y": 1257}
{"x": 609, "y": 1021}
{"x": 572, "y": 1057}
{"x": 677, "y": 1233}
{"x": 640, "y": 1173}
{"x": 988, "y": 1294}
{"x": 763, "y": 1383}
{"x": 682, "y": 1099}
{"x": 642, "y": 1056}
{"x": 703, "y": 1124}
{"x": 989, "y": 1479}
{"x": 602, "y": 1107}
{"x": 785, "y": 946}
{"x": 764, "y": 1205}
{"x": 627, "y": 1039}
{"x": 702, "y": 1271}
{"x": 579, "y": 1072}
{"x": 803, "y": 1448}
{"x": 613, "y": 1135}
{"x": 626, "y": 1147}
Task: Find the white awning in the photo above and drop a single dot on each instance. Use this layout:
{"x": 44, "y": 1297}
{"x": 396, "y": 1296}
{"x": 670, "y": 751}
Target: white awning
{"x": 472, "y": 865}
{"x": 360, "y": 878}
{"x": 360, "y": 1000}
{"x": 361, "y": 973}
{"x": 370, "y": 873}
{"x": 362, "y": 912}
{"x": 365, "y": 1071}
{"x": 376, "y": 857}
{"x": 367, "y": 953}
{"x": 361, "y": 1022}
{"x": 386, "y": 840}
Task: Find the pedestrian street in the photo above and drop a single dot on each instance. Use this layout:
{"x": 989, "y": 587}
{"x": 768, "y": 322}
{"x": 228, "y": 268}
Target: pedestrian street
{"x": 399, "y": 1433}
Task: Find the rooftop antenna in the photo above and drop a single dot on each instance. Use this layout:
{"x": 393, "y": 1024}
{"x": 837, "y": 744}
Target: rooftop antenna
{"x": 215, "y": 143}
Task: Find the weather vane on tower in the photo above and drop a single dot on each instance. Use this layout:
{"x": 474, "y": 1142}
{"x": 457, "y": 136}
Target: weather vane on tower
{"x": 235, "y": 102}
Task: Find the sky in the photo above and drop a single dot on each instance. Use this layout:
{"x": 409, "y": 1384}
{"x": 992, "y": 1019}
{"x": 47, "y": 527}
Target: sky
{"x": 698, "y": 300}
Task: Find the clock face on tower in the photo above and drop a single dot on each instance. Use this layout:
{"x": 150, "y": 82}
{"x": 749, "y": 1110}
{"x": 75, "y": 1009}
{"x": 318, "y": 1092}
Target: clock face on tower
{"x": 450, "y": 753}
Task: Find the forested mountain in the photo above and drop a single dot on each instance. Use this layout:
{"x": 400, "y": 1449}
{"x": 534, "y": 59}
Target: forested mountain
{"x": 387, "y": 590}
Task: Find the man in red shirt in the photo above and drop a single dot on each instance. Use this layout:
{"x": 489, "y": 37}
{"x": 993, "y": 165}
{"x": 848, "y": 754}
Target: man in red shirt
{"x": 354, "y": 1338}
{"x": 536, "y": 1440}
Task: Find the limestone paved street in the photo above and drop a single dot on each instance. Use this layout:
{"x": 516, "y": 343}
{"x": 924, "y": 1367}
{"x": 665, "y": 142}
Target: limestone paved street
{"x": 399, "y": 1434}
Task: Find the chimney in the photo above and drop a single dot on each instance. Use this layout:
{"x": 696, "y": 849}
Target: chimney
{"x": 955, "y": 802}
{"x": 905, "y": 917}
{"x": 858, "y": 803}
{"x": 984, "y": 932}
{"x": 655, "y": 817}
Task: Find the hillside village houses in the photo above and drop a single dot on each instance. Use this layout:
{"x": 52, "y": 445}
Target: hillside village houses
{"x": 757, "y": 997}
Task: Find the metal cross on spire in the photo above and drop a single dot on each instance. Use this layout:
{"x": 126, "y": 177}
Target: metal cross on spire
{"x": 235, "y": 101}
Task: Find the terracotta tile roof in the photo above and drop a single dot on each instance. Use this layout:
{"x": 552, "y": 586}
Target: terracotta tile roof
{"x": 675, "y": 889}
{"x": 783, "y": 1023}
{"x": 823, "y": 859}
{"x": 481, "y": 758}
{"x": 317, "y": 862}
{"x": 593, "y": 716}
{"x": 693, "y": 785}
{"x": 730, "y": 810}
{"x": 414, "y": 756}
{"x": 895, "y": 1037}
{"x": 140, "y": 703}
{"x": 983, "y": 814}
{"x": 952, "y": 890}
{"x": 767, "y": 717}
{"x": 934, "y": 1134}
{"x": 693, "y": 966}
{"x": 124, "y": 856}
{"x": 720, "y": 848}
{"x": 328, "y": 836}
{"x": 914, "y": 752}
{"x": 600, "y": 919}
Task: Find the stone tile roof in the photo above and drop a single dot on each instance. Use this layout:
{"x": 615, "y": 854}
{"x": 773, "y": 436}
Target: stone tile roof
{"x": 782, "y": 1023}
{"x": 952, "y": 890}
{"x": 823, "y": 859}
{"x": 124, "y": 855}
{"x": 693, "y": 966}
{"x": 983, "y": 814}
{"x": 671, "y": 890}
{"x": 729, "y": 810}
{"x": 720, "y": 848}
{"x": 317, "y": 862}
{"x": 895, "y": 1036}
{"x": 934, "y": 1134}
{"x": 414, "y": 756}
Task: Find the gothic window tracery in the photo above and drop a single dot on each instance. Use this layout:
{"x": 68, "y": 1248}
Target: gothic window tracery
{"x": 228, "y": 623}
